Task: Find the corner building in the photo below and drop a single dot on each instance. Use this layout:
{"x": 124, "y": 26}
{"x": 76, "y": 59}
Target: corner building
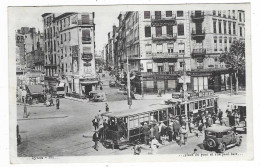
{"x": 160, "y": 44}
{"x": 69, "y": 51}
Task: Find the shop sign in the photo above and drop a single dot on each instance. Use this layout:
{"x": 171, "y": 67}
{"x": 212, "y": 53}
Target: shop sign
{"x": 164, "y": 23}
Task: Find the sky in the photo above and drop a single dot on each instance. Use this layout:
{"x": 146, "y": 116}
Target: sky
{"x": 104, "y": 20}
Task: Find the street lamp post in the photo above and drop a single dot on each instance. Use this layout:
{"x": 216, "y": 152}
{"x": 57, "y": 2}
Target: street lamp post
{"x": 129, "y": 100}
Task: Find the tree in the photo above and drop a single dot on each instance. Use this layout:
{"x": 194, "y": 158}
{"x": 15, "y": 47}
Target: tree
{"x": 235, "y": 61}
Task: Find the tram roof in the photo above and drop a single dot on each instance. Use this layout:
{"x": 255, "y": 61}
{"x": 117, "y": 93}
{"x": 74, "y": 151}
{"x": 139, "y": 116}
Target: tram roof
{"x": 191, "y": 100}
{"x": 135, "y": 111}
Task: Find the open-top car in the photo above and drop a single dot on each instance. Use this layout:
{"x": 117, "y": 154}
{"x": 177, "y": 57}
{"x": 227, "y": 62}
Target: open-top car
{"x": 221, "y": 137}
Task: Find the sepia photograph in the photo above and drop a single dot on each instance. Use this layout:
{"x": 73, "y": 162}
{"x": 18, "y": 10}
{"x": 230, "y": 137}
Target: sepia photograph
{"x": 130, "y": 80}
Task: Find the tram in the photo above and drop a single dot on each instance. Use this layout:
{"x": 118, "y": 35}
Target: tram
{"x": 124, "y": 127}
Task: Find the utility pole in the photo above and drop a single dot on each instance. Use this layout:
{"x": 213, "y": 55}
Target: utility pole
{"x": 129, "y": 99}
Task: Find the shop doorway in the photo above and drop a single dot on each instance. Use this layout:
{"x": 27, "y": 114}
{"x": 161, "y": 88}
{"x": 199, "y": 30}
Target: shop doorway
{"x": 87, "y": 89}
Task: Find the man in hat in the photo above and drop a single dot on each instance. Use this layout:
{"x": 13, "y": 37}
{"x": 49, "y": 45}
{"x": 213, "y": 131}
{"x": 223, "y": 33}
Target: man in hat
{"x": 156, "y": 132}
{"x": 57, "y": 103}
{"x": 107, "y": 108}
{"x": 95, "y": 138}
{"x": 146, "y": 132}
{"x": 209, "y": 121}
{"x": 176, "y": 127}
{"x": 95, "y": 122}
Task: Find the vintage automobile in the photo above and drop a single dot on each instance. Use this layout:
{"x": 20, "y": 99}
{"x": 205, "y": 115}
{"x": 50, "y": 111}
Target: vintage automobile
{"x": 219, "y": 138}
{"x": 100, "y": 97}
{"x": 112, "y": 83}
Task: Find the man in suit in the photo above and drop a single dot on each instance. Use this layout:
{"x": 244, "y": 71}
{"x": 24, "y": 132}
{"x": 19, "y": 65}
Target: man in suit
{"x": 146, "y": 133}
{"x": 176, "y": 128}
{"x": 95, "y": 122}
{"x": 95, "y": 139}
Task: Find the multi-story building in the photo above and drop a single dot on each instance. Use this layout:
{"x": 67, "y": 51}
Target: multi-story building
{"x": 163, "y": 44}
{"x": 69, "y": 51}
{"x": 29, "y": 56}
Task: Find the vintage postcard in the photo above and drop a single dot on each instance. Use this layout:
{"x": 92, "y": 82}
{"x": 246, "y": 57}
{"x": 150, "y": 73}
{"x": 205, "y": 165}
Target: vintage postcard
{"x": 130, "y": 83}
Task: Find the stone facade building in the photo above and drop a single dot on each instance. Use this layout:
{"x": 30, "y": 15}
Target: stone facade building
{"x": 161, "y": 45}
{"x": 69, "y": 51}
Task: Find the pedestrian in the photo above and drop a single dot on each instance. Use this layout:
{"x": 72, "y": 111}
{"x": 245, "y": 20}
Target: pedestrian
{"x": 220, "y": 115}
{"x": 146, "y": 133}
{"x": 154, "y": 145}
{"x": 156, "y": 132}
{"x": 25, "y": 113}
{"x": 237, "y": 118}
{"x": 57, "y": 103}
{"x": 176, "y": 128}
{"x": 101, "y": 88}
{"x": 137, "y": 149}
{"x": 107, "y": 108}
{"x": 191, "y": 125}
{"x": 95, "y": 122}
{"x": 183, "y": 135}
{"x": 95, "y": 139}
{"x": 210, "y": 121}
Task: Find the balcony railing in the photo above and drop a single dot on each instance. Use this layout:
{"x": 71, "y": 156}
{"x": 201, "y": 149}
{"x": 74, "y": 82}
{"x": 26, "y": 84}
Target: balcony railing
{"x": 197, "y": 17}
{"x": 89, "y": 22}
{"x": 162, "y": 20}
{"x": 165, "y": 37}
{"x": 177, "y": 72}
{"x": 173, "y": 55}
{"x": 87, "y": 56}
{"x": 199, "y": 52}
{"x": 198, "y": 35}
{"x": 86, "y": 40}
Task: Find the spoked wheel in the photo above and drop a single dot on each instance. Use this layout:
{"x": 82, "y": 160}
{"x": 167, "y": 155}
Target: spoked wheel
{"x": 222, "y": 148}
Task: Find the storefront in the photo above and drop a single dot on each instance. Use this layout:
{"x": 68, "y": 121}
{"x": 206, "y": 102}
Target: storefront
{"x": 87, "y": 85}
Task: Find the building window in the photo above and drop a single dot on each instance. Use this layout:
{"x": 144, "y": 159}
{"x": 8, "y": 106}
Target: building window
{"x": 147, "y": 31}
{"x": 229, "y": 16}
{"x": 157, "y": 15}
{"x": 148, "y": 49}
{"x": 215, "y": 26}
{"x": 230, "y": 40}
{"x": 181, "y": 48}
{"x": 225, "y": 27}
{"x": 54, "y": 43}
{"x": 168, "y": 13}
{"x": 86, "y": 35}
{"x": 233, "y": 13}
{"x": 215, "y": 44}
{"x": 241, "y": 31}
{"x": 214, "y": 13}
{"x": 69, "y": 36}
{"x": 65, "y": 37}
{"x": 220, "y": 44}
{"x": 219, "y": 27}
{"x": 229, "y": 27}
{"x": 61, "y": 39}
{"x": 169, "y": 31}
{"x": 147, "y": 15}
{"x": 159, "y": 48}
{"x": 180, "y": 29}
{"x": 160, "y": 67}
{"x": 171, "y": 68}
{"x": 234, "y": 28}
{"x": 60, "y": 25}
{"x": 179, "y": 13}
{"x": 85, "y": 19}
{"x": 158, "y": 31}
{"x": 68, "y": 20}
{"x": 53, "y": 31}
{"x": 170, "y": 48}
{"x": 66, "y": 68}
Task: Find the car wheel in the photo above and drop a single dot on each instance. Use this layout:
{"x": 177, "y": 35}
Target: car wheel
{"x": 239, "y": 142}
{"x": 222, "y": 148}
{"x": 211, "y": 143}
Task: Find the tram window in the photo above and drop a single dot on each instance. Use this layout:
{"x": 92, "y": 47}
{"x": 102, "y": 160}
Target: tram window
{"x": 143, "y": 118}
{"x": 182, "y": 109}
{"x": 162, "y": 115}
{"x": 204, "y": 103}
{"x": 200, "y": 104}
{"x": 171, "y": 112}
{"x": 133, "y": 122}
{"x": 196, "y": 105}
{"x": 188, "y": 107}
{"x": 178, "y": 110}
{"x": 208, "y": 104}
{"x": 154, "y": 116}
{"x": 192, "y": 106}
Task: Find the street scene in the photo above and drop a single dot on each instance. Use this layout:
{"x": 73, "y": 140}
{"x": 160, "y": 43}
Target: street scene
{"x": 157, "y": 82}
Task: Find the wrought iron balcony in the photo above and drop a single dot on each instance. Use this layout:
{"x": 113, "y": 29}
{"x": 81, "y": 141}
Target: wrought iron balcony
{"x": 198, "y": 35}
{"x": 86, "y": 40}
{"x": 198, "y": 52}
{"x": 173, "y": 55}
{"x": 165, "y": 37}
{"x": 162, "y": 20}
{"x": 87, "y": 56}
{"x": 197, "y": 16}
{"x": 87, "y": 22}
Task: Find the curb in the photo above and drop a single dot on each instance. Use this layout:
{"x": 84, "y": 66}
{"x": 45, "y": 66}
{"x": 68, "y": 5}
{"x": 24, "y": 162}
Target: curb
{"x": 74, "y": 99}
{"x": 22, "y": 119}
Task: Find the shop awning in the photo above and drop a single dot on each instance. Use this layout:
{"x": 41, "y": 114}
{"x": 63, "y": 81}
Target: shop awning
{"x": 35, "y": 89}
